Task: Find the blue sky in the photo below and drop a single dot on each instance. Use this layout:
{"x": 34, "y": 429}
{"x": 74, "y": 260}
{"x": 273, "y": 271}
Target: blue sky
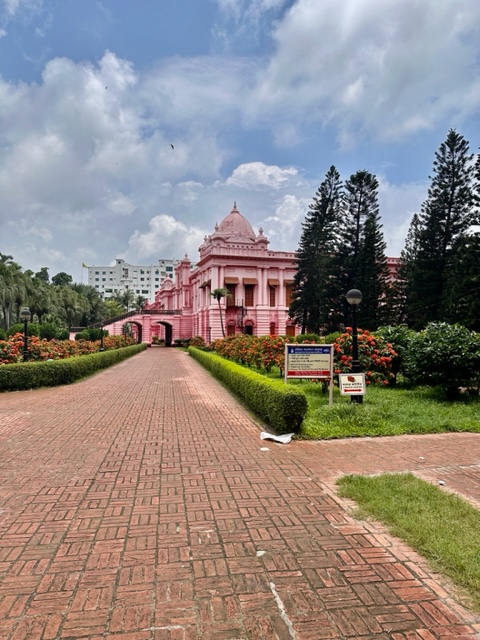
{"x": 258, "y": 97}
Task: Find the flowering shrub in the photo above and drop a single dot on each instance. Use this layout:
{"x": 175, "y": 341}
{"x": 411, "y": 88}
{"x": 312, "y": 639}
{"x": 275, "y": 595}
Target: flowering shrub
{"x": 375, "y": 356}
{"x": 197, "y": 341}
{"x": 262, "y": 352}
{"x": 11, "y": 350}
{"x": 444, "y": 355}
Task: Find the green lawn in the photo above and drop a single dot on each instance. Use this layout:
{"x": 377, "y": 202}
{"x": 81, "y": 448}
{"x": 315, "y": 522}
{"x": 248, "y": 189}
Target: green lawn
{"x": 387, "y": 411}
{"x": 442, "y": 527}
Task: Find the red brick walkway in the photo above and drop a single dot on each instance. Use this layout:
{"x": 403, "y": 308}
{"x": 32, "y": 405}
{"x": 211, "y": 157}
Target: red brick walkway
{"x": 140, "y": 504}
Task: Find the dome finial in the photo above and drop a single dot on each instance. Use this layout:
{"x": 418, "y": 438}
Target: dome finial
{"x": 234, "y": 205}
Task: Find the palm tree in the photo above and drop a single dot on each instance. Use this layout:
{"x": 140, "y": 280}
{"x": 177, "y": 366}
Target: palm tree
{"x": 128, "y": 298}
{"x": 139, "y": 303}
{"x": 12, "y": 287}
{"x": 218, "y": 294}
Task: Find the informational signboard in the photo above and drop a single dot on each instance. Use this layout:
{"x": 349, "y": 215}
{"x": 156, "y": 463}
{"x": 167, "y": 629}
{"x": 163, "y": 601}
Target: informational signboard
{"x": 352, "y": 384}
{"x": 310, "y": 361}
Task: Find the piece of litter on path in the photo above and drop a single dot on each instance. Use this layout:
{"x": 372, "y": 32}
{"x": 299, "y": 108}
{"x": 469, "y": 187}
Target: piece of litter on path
{"x": 264, "y": 449}
{"x": 284, "y": 439}
{"x": 442, "y": 482}
{"x": 260, "y": 553}
{"x": 421, "y": 458}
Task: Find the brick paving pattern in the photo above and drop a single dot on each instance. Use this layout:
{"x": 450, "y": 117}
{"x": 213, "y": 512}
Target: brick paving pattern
{"x": 141, "y": 504}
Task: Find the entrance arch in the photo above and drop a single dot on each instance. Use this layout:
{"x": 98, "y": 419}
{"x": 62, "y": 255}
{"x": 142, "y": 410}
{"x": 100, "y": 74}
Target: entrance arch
{"x": 168, "y": 333}
{"x": 134, "y": 329}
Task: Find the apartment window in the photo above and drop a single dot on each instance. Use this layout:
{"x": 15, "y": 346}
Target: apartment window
{"x": 272, "y": 297}
{"x": 97, "y": 273}
{"x": 97, "y": 279}
{"x": 104, "y": 273}
{"x": 169, "y": 268}
{"x": 142, "y": 271}
{"x": 156, "y": 279}
{"x": 104, "y": 279}
{"x": 142, "y": 279}
{"x": 249, "y": 295}
{"x": 144, "y": 290}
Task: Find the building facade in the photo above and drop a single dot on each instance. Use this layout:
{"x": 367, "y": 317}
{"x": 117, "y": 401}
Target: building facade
{"x": 142, "y": 280}
{"x": 234, "y": 258}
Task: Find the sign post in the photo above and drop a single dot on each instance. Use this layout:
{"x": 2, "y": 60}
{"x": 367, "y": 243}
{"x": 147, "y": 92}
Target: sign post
{"x": 352, "y": 384}
{"x": 310, "y": 361}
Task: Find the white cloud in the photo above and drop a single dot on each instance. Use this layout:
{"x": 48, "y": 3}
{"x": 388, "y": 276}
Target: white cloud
{"x": 398, "y": 203}
{"x": 387, "y": 67}
{"x": 163, "y": 238}
{"x": 283, "y": 228}
{"x": 257, "y": 174}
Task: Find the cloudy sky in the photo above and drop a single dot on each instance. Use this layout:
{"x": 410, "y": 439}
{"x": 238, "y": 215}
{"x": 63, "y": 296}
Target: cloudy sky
{"x": 258, "y": 97}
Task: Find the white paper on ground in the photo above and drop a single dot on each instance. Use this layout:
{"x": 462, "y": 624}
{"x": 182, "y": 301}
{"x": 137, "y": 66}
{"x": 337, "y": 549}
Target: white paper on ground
{"x": 284, "y": 439}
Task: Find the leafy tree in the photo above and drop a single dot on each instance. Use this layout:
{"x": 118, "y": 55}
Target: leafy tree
{"x": 446, "y": 216}
{"x": 112, "y": 308}
{"x": 43, "y": 275}
{"x": 62, "y": 279}
{"x": 218, "y": 294}
{"x": 315, "y": 292}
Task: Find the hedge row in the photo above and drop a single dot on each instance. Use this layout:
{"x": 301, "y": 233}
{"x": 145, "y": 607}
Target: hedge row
{"x": 281, "y": 406}
{"x": 51, "y": 373}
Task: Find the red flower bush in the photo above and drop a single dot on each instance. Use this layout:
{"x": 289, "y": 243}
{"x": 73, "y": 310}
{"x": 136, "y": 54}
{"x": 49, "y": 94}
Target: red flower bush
{"x": 11, "y": 350}
{"x": 374, "y": 353}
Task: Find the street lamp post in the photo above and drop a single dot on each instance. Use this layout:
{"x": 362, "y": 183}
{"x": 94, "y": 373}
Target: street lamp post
{"x": 25, "y": 315}
{"x": 101, "y": 338}
{"x": 354, "y": 298}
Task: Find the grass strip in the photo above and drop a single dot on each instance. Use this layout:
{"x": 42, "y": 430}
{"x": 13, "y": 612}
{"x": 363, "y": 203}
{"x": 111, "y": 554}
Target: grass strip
{"x": 442, "y": 527}
{"x": 388, "y": 412}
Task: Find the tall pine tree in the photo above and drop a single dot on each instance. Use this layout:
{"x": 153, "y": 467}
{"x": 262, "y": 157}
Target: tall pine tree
{"x": 362, "y": 262}
{"x": 446, "y": 216}
{"x": 315, "y": 291}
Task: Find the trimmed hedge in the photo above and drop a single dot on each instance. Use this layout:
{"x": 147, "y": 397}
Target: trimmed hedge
{"x": 281, "y": 406}
{"x": 51, "y": 373}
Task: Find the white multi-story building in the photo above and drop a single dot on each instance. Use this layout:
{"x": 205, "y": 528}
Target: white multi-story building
{"x": 142, "y": 280}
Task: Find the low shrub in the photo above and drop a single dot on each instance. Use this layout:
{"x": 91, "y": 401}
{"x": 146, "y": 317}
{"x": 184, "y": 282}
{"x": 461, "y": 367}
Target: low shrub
{"x": 51, "y": 373}
{"x": 281, "y": 406}
{"x": 444, "y": 355}
{"x": 400, "y": 337}
{"x": 197, "y": 341}
{"x": 33, "y": 329}
{"x": 309, "y": 338}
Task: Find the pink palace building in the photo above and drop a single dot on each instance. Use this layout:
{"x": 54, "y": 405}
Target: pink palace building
{"x": 234, "y": 257}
